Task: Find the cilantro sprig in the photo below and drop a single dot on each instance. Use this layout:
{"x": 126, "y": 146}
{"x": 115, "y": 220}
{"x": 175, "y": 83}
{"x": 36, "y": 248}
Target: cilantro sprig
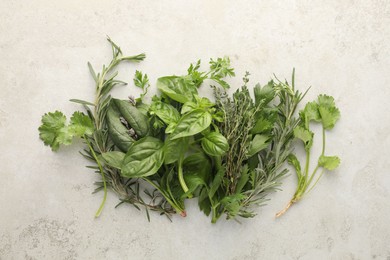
{"x": 322, "y": 111}
{"x": 54, "y": 131}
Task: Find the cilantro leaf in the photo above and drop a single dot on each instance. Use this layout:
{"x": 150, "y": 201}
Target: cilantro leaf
{"x": 309, "y": 113}
{"x": 305, "y": 135}
{"x": 329, "y": 162}
{"x": 293, "y": 161}
{"x": 54, "y": 130}
{"x": 328, "y": 111}
{"x": 64, "y": 136}
{"x": 52, "y": 124}
{"x": 80, "y": 125}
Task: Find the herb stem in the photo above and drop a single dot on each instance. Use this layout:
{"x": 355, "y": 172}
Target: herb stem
{"x": 307, "y": 164}
{"x": 181, "y": 178}
{"x": 99, "y": 211}
{"x": 176, "y": 207}
{"x": 280, "y": 213}
{"x": 319, "y": 177}
{"x": 323, "y": 141}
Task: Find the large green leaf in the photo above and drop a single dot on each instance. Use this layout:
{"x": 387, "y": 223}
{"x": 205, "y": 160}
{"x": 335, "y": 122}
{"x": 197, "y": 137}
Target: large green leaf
{"x": 177, "y": 88}
{"x": 114, "y": 158}
{"x": 117, "y": 131}
{"x": 166, "y": 112}
{"x": 197, "y": 164}
{"x": 174, "y": 149}
{"x": 192, "y": 123}
{"x": 138, "y": 121}
{"x": 144, "y": 158}
{"x": 215, "y": 144}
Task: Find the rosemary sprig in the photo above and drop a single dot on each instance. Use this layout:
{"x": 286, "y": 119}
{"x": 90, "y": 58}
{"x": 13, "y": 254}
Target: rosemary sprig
{"x": 128, "y": 190}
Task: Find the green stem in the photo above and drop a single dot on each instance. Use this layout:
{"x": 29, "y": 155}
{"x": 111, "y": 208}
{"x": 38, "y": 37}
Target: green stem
{"x": 316, "y": 169}
{"x": 177, "y": 208}
{"x": 215, "y": 217}
{"x": 312, "y": 176}
{"x": 181, "y": 178}
{"x": 323, "y": 141}
{"x": 99, "y": 211}
{"x": 319, "y": 177}
{"x": 307, "y": 164}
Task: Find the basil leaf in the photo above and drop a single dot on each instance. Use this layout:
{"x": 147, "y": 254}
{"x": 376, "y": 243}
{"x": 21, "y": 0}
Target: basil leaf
{"x": 117, "y": 131}
{"x": 144, "y": 158}
{"x": 174, "y": 149}
{"x": 188, "y": 107}
{"x": 192, "y": 123}
{"x": 166, "y": 112}
{"x": 215, "y": 144}
{"x": 177, "y": 88}
{"x": 138, "y": 121}
{"x": 197, "y": 164}
{"x": 114, "y": 158}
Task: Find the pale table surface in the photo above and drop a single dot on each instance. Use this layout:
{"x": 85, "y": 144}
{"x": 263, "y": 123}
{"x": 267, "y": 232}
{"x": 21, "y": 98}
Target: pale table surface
{"x": 340, "y": 48}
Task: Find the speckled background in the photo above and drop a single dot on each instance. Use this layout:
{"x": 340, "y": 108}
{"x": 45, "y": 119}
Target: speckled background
{"x": 338, "y": 47}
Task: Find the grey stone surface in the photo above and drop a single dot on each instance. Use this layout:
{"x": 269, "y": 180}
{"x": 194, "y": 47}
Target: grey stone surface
{"x": 339, "y": 47}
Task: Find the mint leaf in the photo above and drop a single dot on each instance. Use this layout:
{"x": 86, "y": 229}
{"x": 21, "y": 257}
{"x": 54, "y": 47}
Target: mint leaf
{"x": 329, "y": 162}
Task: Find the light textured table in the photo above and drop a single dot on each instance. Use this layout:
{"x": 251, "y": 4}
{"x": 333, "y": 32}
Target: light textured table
{"x": 338, "y": 47}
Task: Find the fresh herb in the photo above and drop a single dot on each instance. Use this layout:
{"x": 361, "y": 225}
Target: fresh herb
{"x": 260, "y": 134}
{"x": 229, "y": 153}
{"x": 324, "y": 111}
{"x": 94, "y": 129}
